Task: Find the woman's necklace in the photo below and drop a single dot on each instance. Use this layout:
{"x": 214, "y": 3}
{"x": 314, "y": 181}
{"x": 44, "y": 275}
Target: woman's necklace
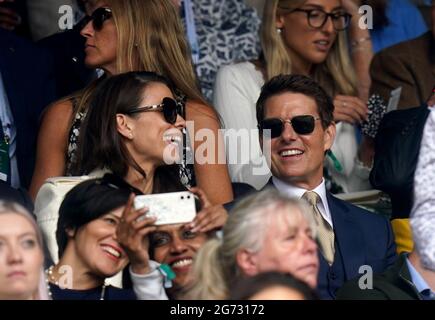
{"x": 50, "y": 278}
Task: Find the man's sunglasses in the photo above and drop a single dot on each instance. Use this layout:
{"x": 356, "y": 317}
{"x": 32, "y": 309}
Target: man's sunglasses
{"x": 169, "y": 107}
{"x": 301, "y": 125}
{"x": 97, "y": 17}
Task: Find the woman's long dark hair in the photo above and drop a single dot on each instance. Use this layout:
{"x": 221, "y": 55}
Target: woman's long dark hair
{"x": 101, "y": 146}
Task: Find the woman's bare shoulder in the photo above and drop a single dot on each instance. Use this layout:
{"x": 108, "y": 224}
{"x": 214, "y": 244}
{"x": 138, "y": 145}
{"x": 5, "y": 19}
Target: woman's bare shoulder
{"x": 58, "y": 110}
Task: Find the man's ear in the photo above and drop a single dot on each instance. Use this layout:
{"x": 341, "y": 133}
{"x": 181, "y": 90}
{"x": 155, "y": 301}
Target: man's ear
{"x": 247, "y": 262}
{"x": 124, "y": 126}
{"x": 329, "y": 136}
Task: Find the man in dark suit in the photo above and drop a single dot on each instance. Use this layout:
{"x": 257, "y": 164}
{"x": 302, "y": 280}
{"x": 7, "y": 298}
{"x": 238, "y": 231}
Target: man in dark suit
{"x": 295, "y": 117}
{"x": 26, "y": 88}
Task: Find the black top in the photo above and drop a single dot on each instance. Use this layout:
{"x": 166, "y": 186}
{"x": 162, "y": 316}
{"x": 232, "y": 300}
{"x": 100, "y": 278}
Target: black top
{"x": 111, "y": 293}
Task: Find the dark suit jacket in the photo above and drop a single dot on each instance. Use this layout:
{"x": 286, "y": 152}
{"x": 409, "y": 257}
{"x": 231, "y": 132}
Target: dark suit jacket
{"x": 28, "y": 81}
{"x": 394, "y": 284}
{"x": 362, "y": 238}
{"x": 411, "y": 65}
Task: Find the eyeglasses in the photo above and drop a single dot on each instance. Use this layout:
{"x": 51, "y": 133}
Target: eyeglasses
{"x": 97, "y": 17}
{"x": 169, "y": 107}
{"x": 317, "y": 18}
{"x": 301, "y": 125}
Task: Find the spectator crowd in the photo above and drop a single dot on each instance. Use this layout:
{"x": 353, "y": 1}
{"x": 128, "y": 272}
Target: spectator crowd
{"x": 269, "y": 117}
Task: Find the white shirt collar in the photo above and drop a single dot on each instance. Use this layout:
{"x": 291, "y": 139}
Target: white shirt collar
{"x": 296, "y": 192}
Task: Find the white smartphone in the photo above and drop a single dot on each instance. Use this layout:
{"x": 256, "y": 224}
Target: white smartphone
{"x": 168, "y": 208}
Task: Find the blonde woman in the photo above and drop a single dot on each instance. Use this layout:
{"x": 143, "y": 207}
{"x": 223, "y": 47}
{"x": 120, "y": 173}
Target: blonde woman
{"x": 22, "y": 274}
{"x": 133, "y": 35}
{"x": 298, "y": 37}
{"x": 265, "y": 232}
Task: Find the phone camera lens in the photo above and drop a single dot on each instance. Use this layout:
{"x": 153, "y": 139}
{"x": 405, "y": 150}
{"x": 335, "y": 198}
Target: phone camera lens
{"x": 188, "y": 197}
{"x": 182, "y": 197}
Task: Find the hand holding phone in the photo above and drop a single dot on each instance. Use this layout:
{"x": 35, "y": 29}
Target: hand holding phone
{"x": 168, "y": 208}
{"x": 211, "y": 217}
{"x": 133, "y": 236}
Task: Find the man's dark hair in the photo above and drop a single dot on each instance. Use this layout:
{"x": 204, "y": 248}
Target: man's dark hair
{"x": 297, "y": 84}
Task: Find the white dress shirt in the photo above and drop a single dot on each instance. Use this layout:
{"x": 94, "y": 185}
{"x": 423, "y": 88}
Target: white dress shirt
{"x": 295, "y": 192}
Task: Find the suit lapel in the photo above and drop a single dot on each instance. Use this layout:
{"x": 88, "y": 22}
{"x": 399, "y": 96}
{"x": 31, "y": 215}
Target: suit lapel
{"x": 9, "y": 69}
{"x": 349, "y": 239}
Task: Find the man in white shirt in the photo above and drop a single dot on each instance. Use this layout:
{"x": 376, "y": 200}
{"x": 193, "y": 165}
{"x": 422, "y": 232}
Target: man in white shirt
{"x": 295, "y": 117}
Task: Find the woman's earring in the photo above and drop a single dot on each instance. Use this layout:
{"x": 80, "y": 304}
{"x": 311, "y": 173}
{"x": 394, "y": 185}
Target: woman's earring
{"x": 130, "y": 136}
{"x": 279, "y": 30}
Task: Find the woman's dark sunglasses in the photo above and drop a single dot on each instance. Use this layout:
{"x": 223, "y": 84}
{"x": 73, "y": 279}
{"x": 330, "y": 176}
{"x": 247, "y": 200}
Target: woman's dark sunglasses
{"x": 169, "y": 107}
{"x": 301, "y": 125}
{"x": 97, "y": 17}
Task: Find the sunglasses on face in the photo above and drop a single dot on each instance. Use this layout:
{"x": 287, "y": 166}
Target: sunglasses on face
{"x": 301, "y": 125}
{"x": 98, "y": 17}
{"x": 169, "y": 107}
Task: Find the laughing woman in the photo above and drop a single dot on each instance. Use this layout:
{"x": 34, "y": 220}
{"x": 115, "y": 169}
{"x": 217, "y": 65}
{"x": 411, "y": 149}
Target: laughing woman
{"x": 88, "y": 250}
{"x": 90, "y": 219}
{"x": 133, "y": 131}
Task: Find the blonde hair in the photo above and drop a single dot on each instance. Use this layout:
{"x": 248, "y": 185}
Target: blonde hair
{"x": 151, "y": 38}
{"x": 215, "y": 266}
{"x": 8, "y": 207}
{"x": 336, "y": 75}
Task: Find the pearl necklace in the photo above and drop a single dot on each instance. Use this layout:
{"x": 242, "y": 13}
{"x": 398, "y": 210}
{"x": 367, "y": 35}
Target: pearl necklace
{"x": 49, "y": 277}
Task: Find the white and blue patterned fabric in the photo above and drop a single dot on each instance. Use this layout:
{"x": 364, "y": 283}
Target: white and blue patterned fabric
{"x": 423, "y": 212}
{"x": 227, "y": 32}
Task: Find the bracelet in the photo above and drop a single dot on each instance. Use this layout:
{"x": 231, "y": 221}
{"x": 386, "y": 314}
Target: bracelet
{"x": 357, "y": 42}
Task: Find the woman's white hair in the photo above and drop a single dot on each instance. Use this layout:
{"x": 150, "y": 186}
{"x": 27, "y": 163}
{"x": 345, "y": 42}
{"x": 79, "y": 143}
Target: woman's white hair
{"x": 215, "y": 266}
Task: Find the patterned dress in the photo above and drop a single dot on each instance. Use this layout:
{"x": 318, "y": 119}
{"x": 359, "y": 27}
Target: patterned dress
{"x": 227, "y": 32}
